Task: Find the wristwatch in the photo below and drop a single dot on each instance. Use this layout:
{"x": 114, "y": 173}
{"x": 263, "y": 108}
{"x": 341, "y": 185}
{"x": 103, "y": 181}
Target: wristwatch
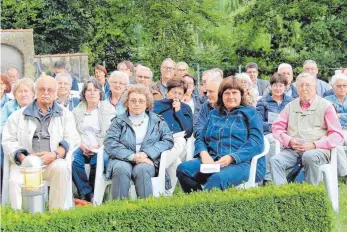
{"x": 58, "y": 155}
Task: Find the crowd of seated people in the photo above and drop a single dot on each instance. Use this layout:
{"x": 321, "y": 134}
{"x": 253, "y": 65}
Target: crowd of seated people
{"x": 134, "y": 120}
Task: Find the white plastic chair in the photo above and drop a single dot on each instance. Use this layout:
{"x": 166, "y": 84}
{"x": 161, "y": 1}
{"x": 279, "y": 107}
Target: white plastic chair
{"x": 252, "y": 174}
{"x": 190, "y": 148}
{"x": 331, "y": 180}
{"x": 158, "y": 183}
{"x": 69, "y": 202}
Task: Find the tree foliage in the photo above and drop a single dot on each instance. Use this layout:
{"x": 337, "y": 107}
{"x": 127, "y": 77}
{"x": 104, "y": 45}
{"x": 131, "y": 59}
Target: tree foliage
{"x": 212, "y": 33}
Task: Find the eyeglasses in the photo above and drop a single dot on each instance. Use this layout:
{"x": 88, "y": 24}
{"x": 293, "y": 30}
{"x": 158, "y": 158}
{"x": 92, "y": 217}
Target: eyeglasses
{"x": 140, "y": 101}
{"x": 305, "y": 85}
{"x": 190, "y": 83}
{"x": 49, "y": 90}
{"x": 182, "y": 70}
{"x": 169, "y": 69}
{"x": 117, "y": 83}
{"x": 341, "y": 86}
{"x": 143, "y": 77}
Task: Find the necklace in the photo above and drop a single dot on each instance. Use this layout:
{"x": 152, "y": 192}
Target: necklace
{"x": 136, "y": 124}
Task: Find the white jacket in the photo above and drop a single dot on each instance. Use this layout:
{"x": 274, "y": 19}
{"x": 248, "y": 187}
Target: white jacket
{"x": 19, "y": 131}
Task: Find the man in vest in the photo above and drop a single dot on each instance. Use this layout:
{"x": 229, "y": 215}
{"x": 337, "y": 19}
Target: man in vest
{"x": 308, "y": 127}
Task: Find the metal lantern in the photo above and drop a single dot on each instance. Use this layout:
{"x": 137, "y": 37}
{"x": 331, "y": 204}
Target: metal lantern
{"x": 33, "y": 189}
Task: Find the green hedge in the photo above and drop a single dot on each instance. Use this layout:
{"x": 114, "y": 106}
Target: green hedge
{"x": 293, "y": 207}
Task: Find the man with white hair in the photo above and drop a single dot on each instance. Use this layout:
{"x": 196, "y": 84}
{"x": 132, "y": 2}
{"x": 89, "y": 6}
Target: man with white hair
{"x": 144, "y": 76}
{"x": 167, "y": 70}
{"x": 213, "y": 81}
{"x": 46, "y": 130}
{"x": 308, "y": 127}
{"x": 287, "y": 71}
{"x": 339, "y": 101}
{"x": 310, "y": 66}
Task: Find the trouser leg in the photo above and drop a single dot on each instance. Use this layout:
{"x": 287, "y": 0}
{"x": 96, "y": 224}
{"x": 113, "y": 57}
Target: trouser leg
{"x": 231, "y": 175}
{"x": 142, "y": 175}
{"x": 312, "y": 160}
{"x": 280, "y": 163}
{"x": 190, "y": 177}
{"x": 14, "y": 187}
{"x": 173, "y": 160}
{"x": 58, "y": 174}
{"x": 121, "y": 176}
{"x": 79, "y": 175}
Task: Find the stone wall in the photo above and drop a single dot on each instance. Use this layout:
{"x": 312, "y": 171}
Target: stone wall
{"x": 77, "y": 64}
{"x": 17, "y": 50}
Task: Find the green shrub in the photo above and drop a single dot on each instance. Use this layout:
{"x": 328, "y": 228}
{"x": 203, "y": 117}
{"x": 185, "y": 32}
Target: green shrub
{"x": 294, "y": 207}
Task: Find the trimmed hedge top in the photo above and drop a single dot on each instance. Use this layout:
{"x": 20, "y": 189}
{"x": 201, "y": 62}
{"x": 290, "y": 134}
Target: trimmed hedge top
{"x": 292, "y": 207}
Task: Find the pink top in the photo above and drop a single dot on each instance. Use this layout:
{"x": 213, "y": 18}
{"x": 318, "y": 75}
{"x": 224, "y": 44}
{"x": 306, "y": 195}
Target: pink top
{"x": 335, "y": 135}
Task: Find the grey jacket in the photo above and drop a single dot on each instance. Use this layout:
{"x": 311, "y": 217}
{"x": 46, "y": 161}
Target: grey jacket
{"x": 262, "y": 85}
{"x": 120, "y": 140}
{"x": 105, "y": 113}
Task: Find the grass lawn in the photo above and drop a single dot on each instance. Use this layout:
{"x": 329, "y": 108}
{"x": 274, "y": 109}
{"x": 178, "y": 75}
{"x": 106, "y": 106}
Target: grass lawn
{"x": 340, "y": 218}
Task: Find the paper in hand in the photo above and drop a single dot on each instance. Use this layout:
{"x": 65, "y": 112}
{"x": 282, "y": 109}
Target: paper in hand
{"x": 209, "y": 168}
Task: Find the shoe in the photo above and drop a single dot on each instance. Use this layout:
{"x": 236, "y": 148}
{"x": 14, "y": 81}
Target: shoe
{"x": 87, "y": 197}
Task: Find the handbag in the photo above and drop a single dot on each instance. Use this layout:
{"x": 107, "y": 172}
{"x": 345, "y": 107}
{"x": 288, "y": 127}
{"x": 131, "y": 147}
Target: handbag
{"x": 295, "y": 171}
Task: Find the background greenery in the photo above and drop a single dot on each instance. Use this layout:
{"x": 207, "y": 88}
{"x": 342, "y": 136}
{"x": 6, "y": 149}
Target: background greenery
{"x": 211, "y": 33}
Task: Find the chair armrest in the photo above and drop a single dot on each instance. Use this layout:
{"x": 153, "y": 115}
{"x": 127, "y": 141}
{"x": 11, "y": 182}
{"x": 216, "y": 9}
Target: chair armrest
{"x": 253, "y": 170}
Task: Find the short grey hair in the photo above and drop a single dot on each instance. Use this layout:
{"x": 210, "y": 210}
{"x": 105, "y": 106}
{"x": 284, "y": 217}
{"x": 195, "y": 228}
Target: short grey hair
{"x": 144, "y": 68}
{"x": 337, "y": 77}
{"x": 168, "y": 60}
{"x": 252, "y": 65}
{"x": 212, "y": 75}
{"x": 285, "y": 65}
{"x": 96, "y": 84}
{"x": 305, "y": 75}
{"x": 310, "y": 62}
{"x": 64, "y": 74}
{"x": 116, "y": 74}
{"x": 243, "y": 77}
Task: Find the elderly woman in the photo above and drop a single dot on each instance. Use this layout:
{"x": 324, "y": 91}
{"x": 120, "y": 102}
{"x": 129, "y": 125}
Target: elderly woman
{"x": 269, "y": 107}
{"x": 118, "y": 82}
{"x": 191, "y": 97}
{"x": 24, "y": 94}
{"x": 64, "y": 81}
{"x": 100, "y": 74}
{"x": 339, "y": 100}
{"x": 232, "y": 136}
{"x": 134, "y": 144}
{"x": 246, "y": 83}
{"x": 179, "y": 117}
{"x": 93, "y": 118}
{"x": 5, "y": 87}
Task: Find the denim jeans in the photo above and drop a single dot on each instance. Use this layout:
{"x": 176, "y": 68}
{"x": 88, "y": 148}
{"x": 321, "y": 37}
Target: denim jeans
{"x": 191, "y": 179}
{"x": 79, "y": 175}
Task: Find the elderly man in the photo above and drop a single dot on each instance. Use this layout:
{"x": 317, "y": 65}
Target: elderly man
{"x": 287, "y": 71}
{"x": 167, "y": 69}
{"x": 181, "y": 69}
{"x": 13, "y": 74}
{"x": 259, "y": 85}
{"x": 308, "y": 127}
{"x": 43, "y": 129}
{"x": 213, "y": 81}
{"x": 60, "y": 67}
{"x": 144, "y": 76}
{"x": 310, "y": 66}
